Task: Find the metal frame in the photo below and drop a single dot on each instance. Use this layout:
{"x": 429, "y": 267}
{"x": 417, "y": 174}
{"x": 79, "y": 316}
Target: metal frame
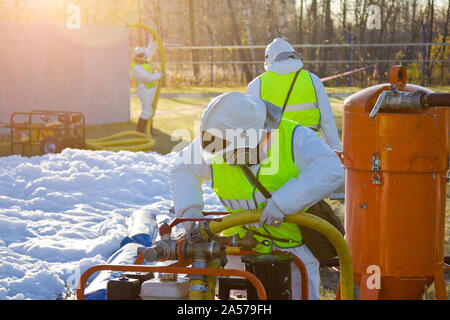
{"x": 171, "y": 269}
{"x": 180, "y": 267}
{"x": 28, "y": 126}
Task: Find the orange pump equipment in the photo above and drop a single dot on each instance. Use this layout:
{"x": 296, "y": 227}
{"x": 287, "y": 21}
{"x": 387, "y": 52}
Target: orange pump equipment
{"x": 395, "y": 145}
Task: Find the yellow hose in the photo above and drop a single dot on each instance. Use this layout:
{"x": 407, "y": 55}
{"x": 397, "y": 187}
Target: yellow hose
{"x": 141, "y": 142}
{"x": 306, "y": 220}
{"x": 145, "y": 147}
{"x": 196, "y": 294}
{"x": 211, "y": 294}
{"x": 120, "y": 135}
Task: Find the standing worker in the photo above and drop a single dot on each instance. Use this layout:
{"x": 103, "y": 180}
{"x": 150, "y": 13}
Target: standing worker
{"x": 298, "y": 92}
{"x": 145, "y": 81}
{"x": 256, "y": 159}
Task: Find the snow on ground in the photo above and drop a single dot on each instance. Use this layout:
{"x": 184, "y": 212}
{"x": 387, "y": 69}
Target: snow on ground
{"x": 63, "y": 213}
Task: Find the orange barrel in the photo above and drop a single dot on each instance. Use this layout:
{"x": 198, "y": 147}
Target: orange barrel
{"x": 396, "y": 165}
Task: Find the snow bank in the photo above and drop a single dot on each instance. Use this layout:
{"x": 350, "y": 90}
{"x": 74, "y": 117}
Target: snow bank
{"x": 61, "y": 214}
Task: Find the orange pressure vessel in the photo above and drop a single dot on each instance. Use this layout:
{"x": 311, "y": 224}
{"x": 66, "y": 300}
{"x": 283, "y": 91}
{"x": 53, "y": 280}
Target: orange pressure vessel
{"x": 396, "y": 165}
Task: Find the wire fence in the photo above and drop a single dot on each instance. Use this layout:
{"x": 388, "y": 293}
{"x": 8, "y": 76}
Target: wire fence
{"x": 312, "y": 45}
{"x": 427, "y": 63}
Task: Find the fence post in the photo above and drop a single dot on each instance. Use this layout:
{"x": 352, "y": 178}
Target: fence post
{"x": 212, "y": 57}
{"x": 350, "y": 57}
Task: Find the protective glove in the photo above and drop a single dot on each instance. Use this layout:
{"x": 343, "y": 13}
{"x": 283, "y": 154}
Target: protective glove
{"x": 157, "y": 75}
{"x": 272, "y": 215}
{"x": 191, "y": 213}
{"x": 252, "y": 224}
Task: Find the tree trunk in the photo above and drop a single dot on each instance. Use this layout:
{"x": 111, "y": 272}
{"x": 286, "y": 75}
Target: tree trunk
{"x": 237, "y": 37}
{"x": 414, "y": 30}
{"x": 344, "y": 14}
{"x": 314, "y": 36}
{"x": 429, "y": 66}
{"x": 328, "y": 36}
{"x": 270, "y": 23}
{"x": 195, "y": 59}
{"x": 247, "y": 9}
{"x": 284, "y": 20}
{"x": 444, "y": 40}
{"x": 300, "y": 30}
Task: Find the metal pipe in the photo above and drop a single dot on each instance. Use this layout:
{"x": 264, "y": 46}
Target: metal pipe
{"x": 396, "y": 100}
{"x": 169, "y": 269}
{"x": 436, "y": 99}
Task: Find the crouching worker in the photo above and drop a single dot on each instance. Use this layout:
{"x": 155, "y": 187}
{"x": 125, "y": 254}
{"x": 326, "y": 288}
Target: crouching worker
{"x": 145, "y": 81}
{"x": 256, "y": 159}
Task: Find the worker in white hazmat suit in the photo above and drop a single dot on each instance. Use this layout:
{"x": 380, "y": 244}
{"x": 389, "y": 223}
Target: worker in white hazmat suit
{"x": 298, "y": 92}
{"x": 256, "y": 159}
{"x": 145, "y": 80}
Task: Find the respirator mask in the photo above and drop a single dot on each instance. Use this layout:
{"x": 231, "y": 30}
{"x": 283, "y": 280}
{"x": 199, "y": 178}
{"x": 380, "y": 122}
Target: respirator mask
{"x": 241, "y": 147}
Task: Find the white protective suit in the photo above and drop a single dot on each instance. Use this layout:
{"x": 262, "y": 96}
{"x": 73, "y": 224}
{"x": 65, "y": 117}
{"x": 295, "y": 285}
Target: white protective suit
{"x": 321, "y": 172}
{"x": 327, "y": 125}
{"x": 146, "y": 96}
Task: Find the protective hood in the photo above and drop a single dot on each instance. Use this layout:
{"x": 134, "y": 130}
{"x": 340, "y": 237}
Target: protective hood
{"x": 235, "y": 117}
{"x": 286, "y": 66}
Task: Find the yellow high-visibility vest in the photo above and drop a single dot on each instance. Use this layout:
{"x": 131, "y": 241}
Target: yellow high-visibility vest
{"x": 147, "y": 67}
{"x": 302, "y": 104}
{"x": 237, "y": 193}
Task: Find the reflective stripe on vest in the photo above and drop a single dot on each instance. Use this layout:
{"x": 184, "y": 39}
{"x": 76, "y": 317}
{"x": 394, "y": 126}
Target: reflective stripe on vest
{"x": 237, "y": 193}
{"x": 147, "y": 67}
{"x": 302, "y": 103}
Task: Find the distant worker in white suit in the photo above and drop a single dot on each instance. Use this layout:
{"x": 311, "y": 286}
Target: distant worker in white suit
{"x": 145, "y": 80}
{"x": 298, "y": 92}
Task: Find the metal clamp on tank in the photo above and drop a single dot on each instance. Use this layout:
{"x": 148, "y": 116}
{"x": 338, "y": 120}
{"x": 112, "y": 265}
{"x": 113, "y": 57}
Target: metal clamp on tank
{"x": 376, "y": 178}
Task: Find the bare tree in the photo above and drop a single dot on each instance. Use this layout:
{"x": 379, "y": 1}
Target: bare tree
{"x": 300, "y": 30}
{"x": 237, "y": 37}
{"x": 247, "y": 9}
{"x": 271, "y": 24}
{"x": 284, "y": 18}
{"x": 444, "y": 40}
{"x": 193, "y": 42}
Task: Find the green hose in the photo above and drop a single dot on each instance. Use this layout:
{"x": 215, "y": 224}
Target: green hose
{"x": 305, "y": 220}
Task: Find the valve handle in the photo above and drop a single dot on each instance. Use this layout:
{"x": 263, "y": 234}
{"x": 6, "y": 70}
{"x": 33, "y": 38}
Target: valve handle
{"x": 166, "y": 229}
{"x": 380, "y": 101}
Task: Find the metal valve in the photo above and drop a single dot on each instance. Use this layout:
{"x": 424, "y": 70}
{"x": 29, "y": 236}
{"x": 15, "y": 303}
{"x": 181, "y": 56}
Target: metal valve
{"x": 393, "y": 99}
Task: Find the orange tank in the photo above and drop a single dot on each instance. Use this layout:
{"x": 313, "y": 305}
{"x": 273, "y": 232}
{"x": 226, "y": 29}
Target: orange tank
{"x": 396, "y": 165}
